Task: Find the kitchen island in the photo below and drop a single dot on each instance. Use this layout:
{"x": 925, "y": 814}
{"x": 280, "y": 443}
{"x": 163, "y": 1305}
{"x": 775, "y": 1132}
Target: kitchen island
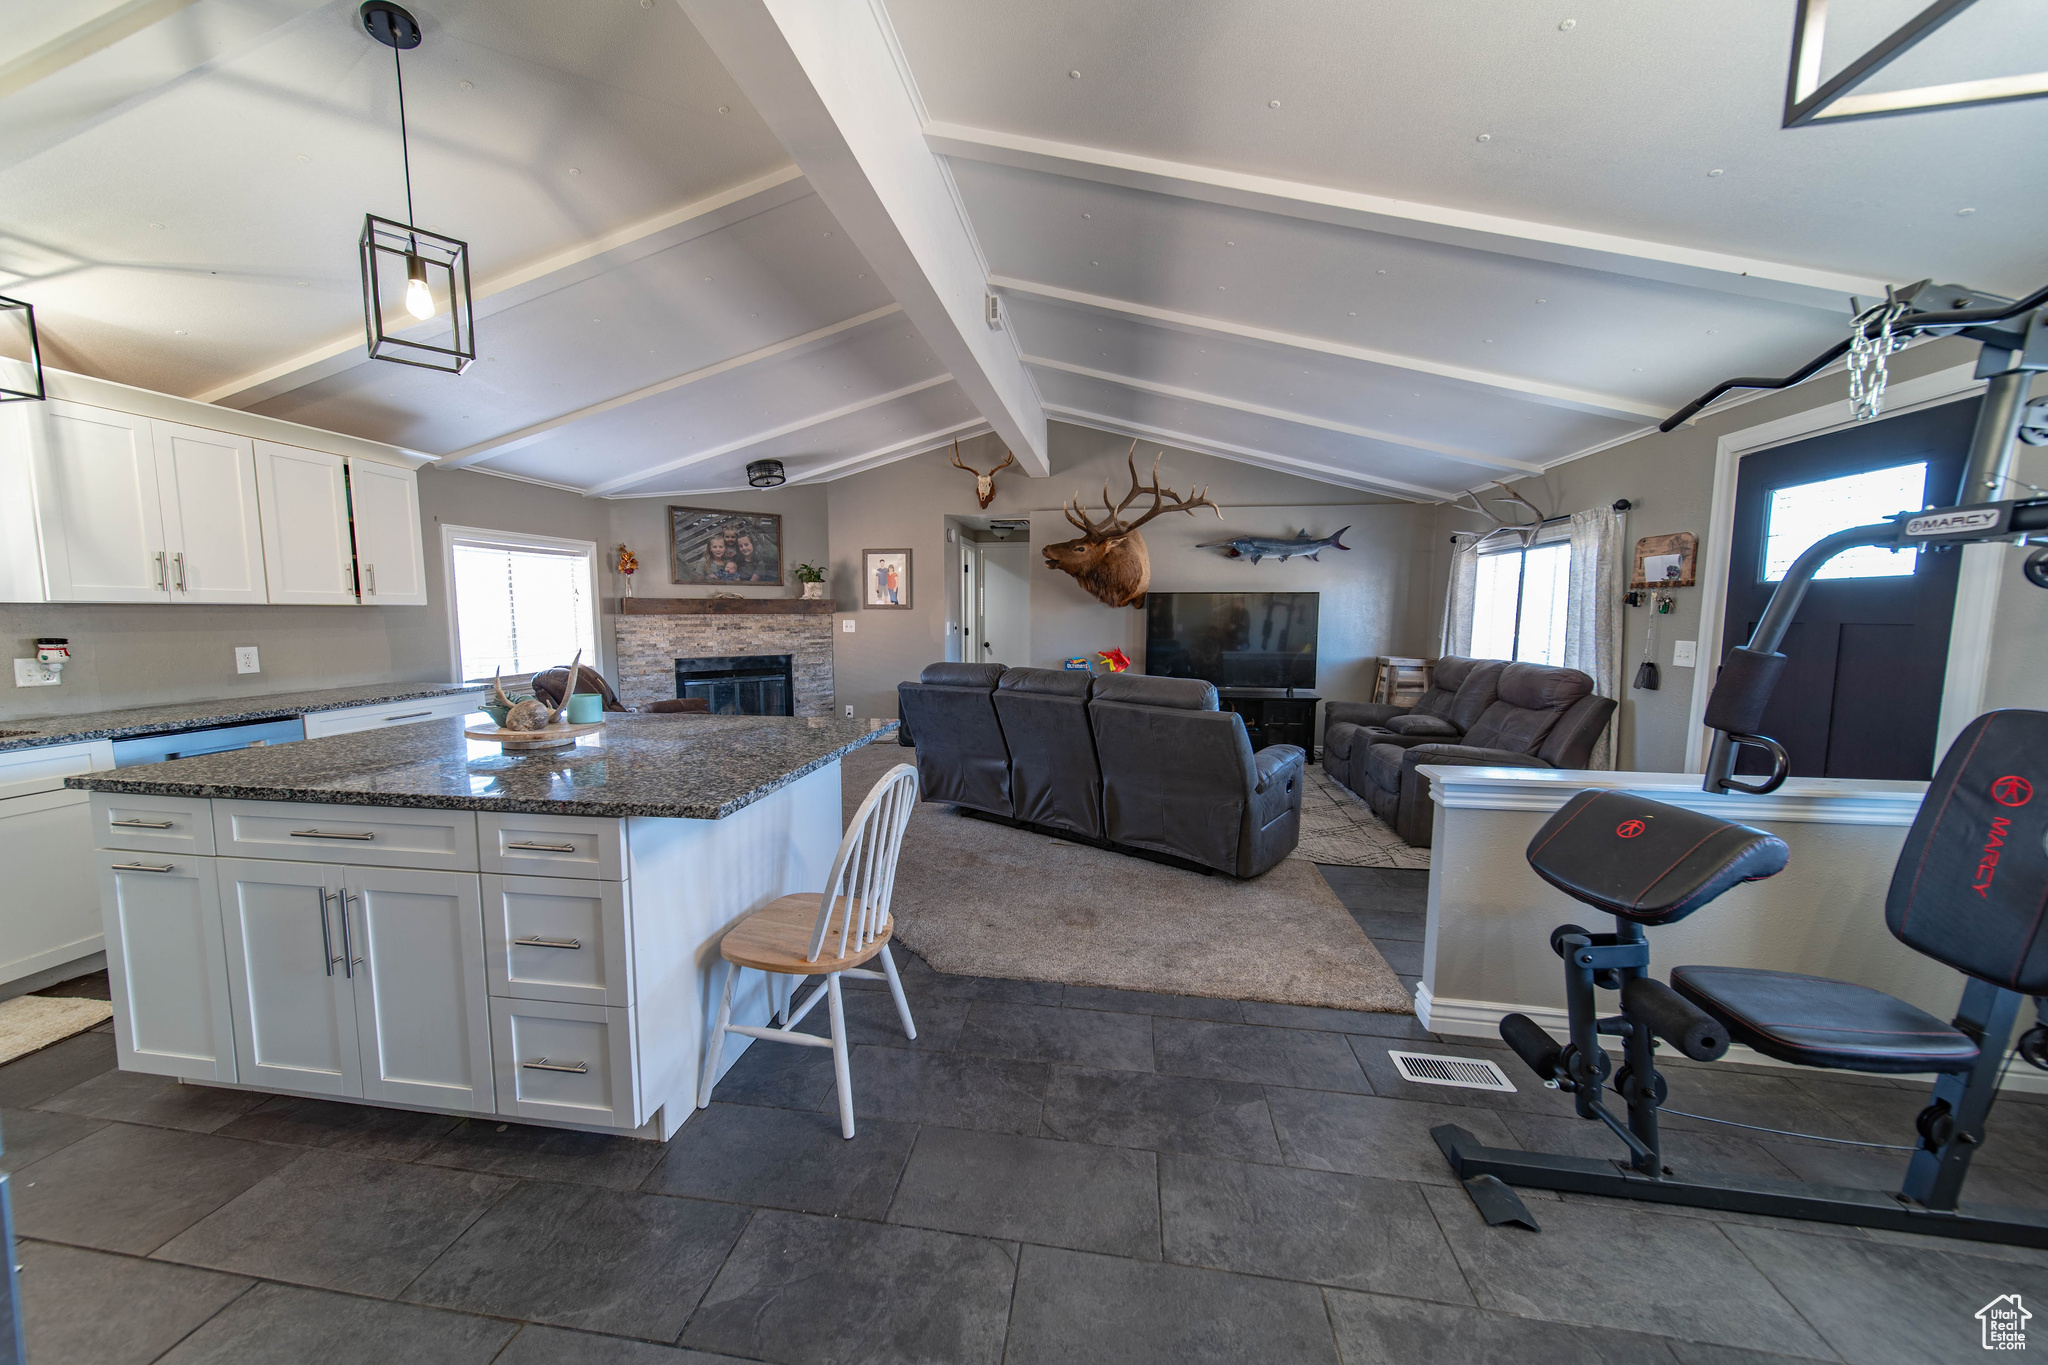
{"x": 412, "y": 918}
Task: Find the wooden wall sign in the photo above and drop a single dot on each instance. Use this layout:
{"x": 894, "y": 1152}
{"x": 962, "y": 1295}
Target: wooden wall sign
{"x": 1666, "y": 561}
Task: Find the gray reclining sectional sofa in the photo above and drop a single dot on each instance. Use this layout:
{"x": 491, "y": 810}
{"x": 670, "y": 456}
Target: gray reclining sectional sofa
{"x": 1137, "y": 764}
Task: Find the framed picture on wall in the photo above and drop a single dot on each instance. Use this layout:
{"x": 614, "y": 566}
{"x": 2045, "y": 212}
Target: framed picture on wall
{"x": 1666, "y": 561}
{"x": 885, "y": 579}
{"x": 709, "y": 546}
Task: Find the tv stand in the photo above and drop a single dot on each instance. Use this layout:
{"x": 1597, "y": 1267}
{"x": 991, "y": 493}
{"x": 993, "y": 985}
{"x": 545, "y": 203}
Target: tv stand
{"x": 1273, "y": 715}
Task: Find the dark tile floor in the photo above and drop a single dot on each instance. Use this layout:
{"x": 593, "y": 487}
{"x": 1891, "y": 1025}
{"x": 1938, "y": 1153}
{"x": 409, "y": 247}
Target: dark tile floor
{"x": 1046, "y": 1174}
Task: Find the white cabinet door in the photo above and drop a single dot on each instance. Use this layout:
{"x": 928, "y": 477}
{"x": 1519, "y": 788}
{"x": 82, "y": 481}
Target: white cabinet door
{"x": 422, "y": 1007}
{"x": 384, "y": 715}
{"x": 166, "y": 964}
{"x": 52, "y": 901}
{"x": 212, "y": 531}
{"x": 307, "y": 553}
{"x": 385, "y": 503}
{"x": 97, "y": 505}
{"x": 289, "y": 956}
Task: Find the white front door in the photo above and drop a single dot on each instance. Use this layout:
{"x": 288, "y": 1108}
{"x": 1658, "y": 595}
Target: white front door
{"x": 290, "y": 956}
{"x": 166, "y": 965}
{"x": 212, "y": 531}
{"x": 422, "y": 1004}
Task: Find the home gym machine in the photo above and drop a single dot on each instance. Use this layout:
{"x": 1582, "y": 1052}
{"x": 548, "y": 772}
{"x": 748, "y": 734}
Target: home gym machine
{"x": 1969, "y": 888}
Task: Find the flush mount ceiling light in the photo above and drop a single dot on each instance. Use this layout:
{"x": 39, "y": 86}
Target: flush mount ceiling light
{"x": 15, "y": 369}
{"x": 410, "y": 274}
{"x": 766, "y": 474}
{"x": 1809, "y": 100}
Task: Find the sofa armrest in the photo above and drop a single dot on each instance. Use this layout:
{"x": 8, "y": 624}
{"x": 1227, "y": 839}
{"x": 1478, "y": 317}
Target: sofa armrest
{"x": 1359, "y": 713}
{"x": 1275, "y": 761}
{"x": 1467, "y": 756}
{"x": 1278, "y": 770}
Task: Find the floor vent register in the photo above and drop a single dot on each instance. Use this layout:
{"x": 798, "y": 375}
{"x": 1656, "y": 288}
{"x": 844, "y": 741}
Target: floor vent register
{"x": 1467, "y": 1073}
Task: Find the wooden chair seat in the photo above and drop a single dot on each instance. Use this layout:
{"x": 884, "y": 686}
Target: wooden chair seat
{"x": 777, "y": 938}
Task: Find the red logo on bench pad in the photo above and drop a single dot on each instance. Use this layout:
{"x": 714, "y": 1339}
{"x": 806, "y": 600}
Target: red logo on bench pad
{"x": 1629, "y": 829}
{"x": 2012, "y": 790}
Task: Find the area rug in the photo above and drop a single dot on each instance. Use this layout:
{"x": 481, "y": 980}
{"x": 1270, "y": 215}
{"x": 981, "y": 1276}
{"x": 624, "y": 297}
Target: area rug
{"x": 983, "y": 899}
{"x": 29, "y": 1023}
{"x": 1338, "y": 827}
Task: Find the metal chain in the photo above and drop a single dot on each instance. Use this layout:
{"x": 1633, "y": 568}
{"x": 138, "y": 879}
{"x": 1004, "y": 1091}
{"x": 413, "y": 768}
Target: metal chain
{"x": 1867, "y": 357}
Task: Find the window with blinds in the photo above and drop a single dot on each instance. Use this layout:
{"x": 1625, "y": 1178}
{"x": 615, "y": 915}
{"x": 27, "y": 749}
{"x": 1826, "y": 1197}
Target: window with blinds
{"x": 521, "y": 603}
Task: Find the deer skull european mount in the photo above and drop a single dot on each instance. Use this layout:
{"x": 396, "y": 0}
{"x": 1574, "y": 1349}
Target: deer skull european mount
{"x": 1109, "y": 558}
{"x": 984, "y": 484}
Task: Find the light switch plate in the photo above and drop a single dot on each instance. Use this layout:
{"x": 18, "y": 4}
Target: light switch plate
{"x": 34, "y": 673}
{"x": 846, "y": 626}
{"x": 245, "y": 659}
{"x": 1684, "y": 653}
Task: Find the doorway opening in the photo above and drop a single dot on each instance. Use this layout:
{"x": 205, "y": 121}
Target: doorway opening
{"x": 993, "y": 579}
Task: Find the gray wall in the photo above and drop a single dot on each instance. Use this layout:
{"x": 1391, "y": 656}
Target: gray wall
{"x": 1377, "y": 597}
{"x": 1670, "y": 480}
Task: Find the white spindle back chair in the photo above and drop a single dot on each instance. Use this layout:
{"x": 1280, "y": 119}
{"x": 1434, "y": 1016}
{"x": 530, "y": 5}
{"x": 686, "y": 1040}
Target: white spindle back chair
{"x": 828, "y": 933}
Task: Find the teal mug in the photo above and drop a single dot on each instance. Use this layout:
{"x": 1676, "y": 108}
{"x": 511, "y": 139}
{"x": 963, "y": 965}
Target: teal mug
{"x": 586, "y": 708}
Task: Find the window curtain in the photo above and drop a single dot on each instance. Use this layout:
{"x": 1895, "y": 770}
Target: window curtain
{"x": 1593, "y": 617}
{"x": 1464, "y": 588}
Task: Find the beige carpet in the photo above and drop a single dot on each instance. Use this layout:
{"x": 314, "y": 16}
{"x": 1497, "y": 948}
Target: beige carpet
{"x": 32, "y": 1022}
{"x": 1338, "y": 827}
{"x": 982, "y": 899}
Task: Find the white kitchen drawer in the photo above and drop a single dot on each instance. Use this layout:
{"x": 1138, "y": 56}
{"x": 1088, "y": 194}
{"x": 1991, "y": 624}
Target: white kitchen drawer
{"x": 370, "y": 836}
{"x": 552, "y": 845}
{"x": 153, "y": 824}
{"x": 384, "y": 715}
{"x": 570, "y": 1062}
{"x": 23, "y": 771}
{"x": 556, "y": 938}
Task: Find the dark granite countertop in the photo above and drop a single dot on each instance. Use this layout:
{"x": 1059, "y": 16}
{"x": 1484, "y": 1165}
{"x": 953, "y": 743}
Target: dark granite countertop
{"x": 190, "y": 715}
{"x": 691, "y": 767}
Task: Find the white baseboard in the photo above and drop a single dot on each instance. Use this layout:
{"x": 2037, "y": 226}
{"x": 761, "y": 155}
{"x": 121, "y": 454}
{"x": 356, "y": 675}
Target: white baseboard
{"x": 1481, "y": 1019}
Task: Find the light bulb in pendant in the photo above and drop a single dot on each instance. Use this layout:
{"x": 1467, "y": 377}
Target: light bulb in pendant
{"x": 419, "y": 300}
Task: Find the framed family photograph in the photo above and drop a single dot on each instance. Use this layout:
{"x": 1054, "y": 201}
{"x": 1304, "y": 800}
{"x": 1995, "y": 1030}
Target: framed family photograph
{"x": 885, "y": 578}
{"x": 709, "y": 546}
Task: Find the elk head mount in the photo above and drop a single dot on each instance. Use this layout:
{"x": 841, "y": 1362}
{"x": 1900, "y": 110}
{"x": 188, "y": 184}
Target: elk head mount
{"x": 1109, "y": 558}
{"x": 984, "y": 484}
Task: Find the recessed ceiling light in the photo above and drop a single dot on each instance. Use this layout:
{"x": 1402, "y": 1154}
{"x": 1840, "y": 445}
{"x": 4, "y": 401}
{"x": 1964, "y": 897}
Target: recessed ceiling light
{"x": 574, "y": 171}
{"x": 1710, "y": 331}
{"x": 158, "y": 226}
{"x": 1716, "y": 171}
{"x": 1379, "y": 272}
{"x": 179, "y": 332}
{"x": 725, "y": 108}
{"x": 302, "y": 284}
{"x": 1095, "y": 263}
{"x": 1073, "y": 75}
{"x": 1352, "y": 315}
{"x": 1272, "y": 104}
{"x": 828, "y": 234}
{"x": 1486, "y": 137}
{"x": 304, "y": 157}
{"x": 1219, "y": 288}
{"x": 1567, "y": 25}
{"x": 1964, "y": 213}
{"x": 1087, "y": 215}
{"x": 464, "y": 85}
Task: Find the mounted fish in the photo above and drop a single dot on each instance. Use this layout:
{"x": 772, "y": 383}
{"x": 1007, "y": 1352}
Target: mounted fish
{"x": 1256, "y": 548}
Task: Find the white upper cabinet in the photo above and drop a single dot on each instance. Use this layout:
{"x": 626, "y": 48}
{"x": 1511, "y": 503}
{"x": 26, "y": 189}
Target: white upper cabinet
{"x": 212, "y": 531}
{"x": 98, "y": 512}
{"x": 385, "y": 501}
{"x": 306, "y": 548}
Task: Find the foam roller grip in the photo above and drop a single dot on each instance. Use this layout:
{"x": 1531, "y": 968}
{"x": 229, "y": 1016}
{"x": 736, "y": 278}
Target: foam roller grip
{"x": 1742, "y": 690}
{"x": 1670, "y": 1016}
{"x": 1531, "y": 1044}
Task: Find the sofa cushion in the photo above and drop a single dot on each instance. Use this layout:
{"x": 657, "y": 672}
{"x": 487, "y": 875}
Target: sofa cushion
{"x": 1338, "y": 739}
{"x": 1185, "y": 694}
{"x": 1423, "y": 725}
{"x": 961, "y": 675}
{"x": 1532, "y": 697}
{"x": 1479, "y": 690}
{"x": 1383, "y": 766}
{"x": 1053, "y": 682}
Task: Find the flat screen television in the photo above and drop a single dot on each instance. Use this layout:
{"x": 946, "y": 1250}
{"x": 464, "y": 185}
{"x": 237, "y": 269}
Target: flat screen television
{"x": 1232, "y": 639}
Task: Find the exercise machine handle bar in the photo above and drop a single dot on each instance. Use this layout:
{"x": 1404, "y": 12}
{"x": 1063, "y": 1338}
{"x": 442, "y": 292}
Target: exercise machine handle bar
{"x": 1910, "y": 323}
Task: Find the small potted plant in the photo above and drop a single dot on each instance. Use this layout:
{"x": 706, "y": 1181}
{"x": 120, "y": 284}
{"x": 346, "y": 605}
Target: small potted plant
{"x": 813, "y": 579}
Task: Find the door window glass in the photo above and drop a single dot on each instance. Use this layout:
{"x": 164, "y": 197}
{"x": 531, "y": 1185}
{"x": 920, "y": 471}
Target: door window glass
{"x": 1803, "y": 513}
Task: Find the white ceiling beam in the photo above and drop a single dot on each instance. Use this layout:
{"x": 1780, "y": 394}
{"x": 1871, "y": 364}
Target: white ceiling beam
{"x": 536, "y": 279}
{"x": 852, "y": 464}
{"x": 1225, "y": 450}
{"x": 1416, "y": 443}
{"x": 1514, "y": 386}
{"x": 788, "y": 348}
{"x": 826, "y": 76}
{"x": 816, "y": 419}
{"x": 125, "y": 57}
{"x": 1752, "y": 277}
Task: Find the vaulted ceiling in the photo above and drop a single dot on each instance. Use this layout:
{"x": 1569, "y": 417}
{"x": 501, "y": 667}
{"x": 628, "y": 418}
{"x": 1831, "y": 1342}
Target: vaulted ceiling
{"x": 1403, "y": 248}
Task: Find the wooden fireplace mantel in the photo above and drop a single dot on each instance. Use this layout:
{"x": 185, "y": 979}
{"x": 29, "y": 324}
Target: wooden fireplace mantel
{"x": 724, "y": 606}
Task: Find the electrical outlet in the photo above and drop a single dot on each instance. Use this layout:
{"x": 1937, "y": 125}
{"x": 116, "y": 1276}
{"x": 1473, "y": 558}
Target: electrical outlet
{"x": 846, "y": 626}
{"x": 849, "y": 713}
{"x": 33, "y": 673}
{"x": 1684, "y": 653}
{"x": 245, "y": 659}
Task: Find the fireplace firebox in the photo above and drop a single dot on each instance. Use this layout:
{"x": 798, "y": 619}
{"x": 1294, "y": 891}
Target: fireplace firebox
{"x": 742, "y": 685}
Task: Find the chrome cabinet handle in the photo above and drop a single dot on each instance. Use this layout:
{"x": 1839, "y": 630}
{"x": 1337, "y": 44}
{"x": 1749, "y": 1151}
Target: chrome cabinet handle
{"x": 328, "y": 834}
{"x": 163, "y": 574}
{"x": 349, "y": 961}
{"x": 145, "y": 867}
{"x": 326, "y": 935}
{"x": 141, "y": 824}
{"x": 544, "y": 848}
{"x": 370, "y": 576}
{"x": 543, "y": 1064}
{"x": 179, "y": 560}
{"x": 536, "y": 941}
{"x": 410, "y": 715}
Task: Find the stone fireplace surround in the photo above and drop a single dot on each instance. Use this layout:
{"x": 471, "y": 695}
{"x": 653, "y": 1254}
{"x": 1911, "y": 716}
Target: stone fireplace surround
{"x": 651, "y": 633}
